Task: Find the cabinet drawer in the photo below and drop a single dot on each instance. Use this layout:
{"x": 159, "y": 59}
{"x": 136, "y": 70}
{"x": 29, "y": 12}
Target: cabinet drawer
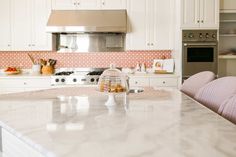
{"x": 22, "y": 83}
{"x": 139, "y": 82}
{"x": 164, "y": 82}
{"x": 12, "y": 83}
{"x": 38, "y": 82}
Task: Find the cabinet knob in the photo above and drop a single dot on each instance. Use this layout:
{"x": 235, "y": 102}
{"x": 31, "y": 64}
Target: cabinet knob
{"x": 25, "y": 83}
{"x": 152, "y": 44}
{"x": 148, "y": 44}
{"x": 103, "y": 3}
{"x": 74, "y": 3}
{"x": 136, "y": 82}
{"x": 164, "y": 82}
{"x": 8, "y": 45}
{"x": 198, "y": 21}
{"x": 29, "y": 45}
{"x": 202, "y": 21}
{"x": 78, "y": 3}
{"x": 33, "y": 44}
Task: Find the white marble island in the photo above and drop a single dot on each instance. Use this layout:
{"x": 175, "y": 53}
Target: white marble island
{"x": 74, "y": 122}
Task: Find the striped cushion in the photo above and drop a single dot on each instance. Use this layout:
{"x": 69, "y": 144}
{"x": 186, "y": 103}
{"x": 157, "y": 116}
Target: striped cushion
{"x": 195, "y": 82}
{"x": 216, "y": 92}
{"x": 228, "y": 109}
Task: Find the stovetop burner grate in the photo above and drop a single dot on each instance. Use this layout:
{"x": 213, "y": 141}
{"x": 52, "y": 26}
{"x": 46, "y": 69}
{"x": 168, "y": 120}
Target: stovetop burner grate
{"x": 65, "y": 73}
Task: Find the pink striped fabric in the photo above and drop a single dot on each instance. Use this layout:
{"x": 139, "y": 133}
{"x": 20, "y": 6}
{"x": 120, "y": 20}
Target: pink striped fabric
{"x": 195, "y": 82}
{"x": 228, "y": 109}
{"x": 213, "y": 94}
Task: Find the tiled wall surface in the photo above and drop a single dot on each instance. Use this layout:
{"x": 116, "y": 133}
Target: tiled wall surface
{"x": 120, "y": 59}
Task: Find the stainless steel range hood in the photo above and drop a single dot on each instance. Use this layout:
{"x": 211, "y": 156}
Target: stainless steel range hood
{"x": 82, "y": 21}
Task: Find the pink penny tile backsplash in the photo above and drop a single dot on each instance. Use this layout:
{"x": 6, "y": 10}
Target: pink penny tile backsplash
{"x": 104, "y": 59}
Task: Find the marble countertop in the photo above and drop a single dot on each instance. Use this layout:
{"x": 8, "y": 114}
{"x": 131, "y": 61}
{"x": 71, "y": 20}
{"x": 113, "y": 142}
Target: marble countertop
{"x": 26, "y": 73}
{"x": 72, "y": 122}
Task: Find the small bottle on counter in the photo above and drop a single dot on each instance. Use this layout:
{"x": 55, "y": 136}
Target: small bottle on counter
{"x": 138, "y": 68}
{"x": 143, "y": 67}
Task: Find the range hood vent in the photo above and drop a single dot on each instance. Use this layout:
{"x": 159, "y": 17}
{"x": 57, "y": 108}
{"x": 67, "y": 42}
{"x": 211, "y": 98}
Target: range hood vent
{"x": 82, "y": 21}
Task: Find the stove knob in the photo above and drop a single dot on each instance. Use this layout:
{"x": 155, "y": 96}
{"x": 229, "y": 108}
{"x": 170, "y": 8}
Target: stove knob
{"x": 191, "y": 35}
{"x": 97, "y": 79}
{"x": 57, "y": 80}
{"x": 200, "y": 35}
{"x": 74, "y": 80}
{"x": 92, "y": 79}
{"x": 213, "y": 36}
{"x": 63, "y": 80}
{"x": 207, "y": 35}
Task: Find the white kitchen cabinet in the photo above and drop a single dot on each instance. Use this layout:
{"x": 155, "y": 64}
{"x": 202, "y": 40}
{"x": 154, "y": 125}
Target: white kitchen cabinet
{"x": 150, "y": 24}
{"x": 21, "y": 26}
{"x": 163, "y": 82}
{"x": 153, "y": 80}
{"x": 75, "y": 4}
{"x": 24, "y": 25}
{"x": 200, "y": 14}
{"x": 64, "y": 4}
{"x": 40, "y": 39}
{"x": 12, "y": 85}
{"x": 137, "y": 37}
{"x": 5, "y": 23}
{"x": 88, "y": 4}
{"x": 113, "y": 4}
{"x": 139, "y": 82}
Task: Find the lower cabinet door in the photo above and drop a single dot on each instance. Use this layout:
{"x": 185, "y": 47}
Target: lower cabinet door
{"x": 139, "y": 82}
{"x": 163, "y": 82}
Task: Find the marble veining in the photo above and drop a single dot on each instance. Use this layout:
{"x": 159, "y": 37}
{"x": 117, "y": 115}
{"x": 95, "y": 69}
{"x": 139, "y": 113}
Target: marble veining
{"x": 72, "y": 122}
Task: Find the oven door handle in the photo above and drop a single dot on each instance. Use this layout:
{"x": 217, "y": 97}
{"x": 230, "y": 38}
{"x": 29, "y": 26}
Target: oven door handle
{"x": 200, "y": 44}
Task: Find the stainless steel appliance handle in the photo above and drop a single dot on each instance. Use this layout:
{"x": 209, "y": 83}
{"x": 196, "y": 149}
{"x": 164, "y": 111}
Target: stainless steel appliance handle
{"x": 200, "y": 44}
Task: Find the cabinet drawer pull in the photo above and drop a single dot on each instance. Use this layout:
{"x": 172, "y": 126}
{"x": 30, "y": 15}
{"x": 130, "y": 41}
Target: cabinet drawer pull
{"x": 164, "y": 82}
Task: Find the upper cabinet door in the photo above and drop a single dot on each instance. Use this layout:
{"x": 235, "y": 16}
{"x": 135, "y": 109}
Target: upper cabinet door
{"x": 21, "y": 24}
{"x": 113, "y": 4}
{"x": 41, "y": 40}
{"x": 138, "y": 26}
{"x": 64, "y": 4}
{"x": 162, "y": 36}
{"x": 5, "y": 23}
{"x": 209, "y": 17}
{"x": 88, "y": 4}
{"x": 190, "y": 13}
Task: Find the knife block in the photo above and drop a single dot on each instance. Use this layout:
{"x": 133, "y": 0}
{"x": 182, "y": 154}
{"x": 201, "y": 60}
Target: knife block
{"x": 48, "y": 70}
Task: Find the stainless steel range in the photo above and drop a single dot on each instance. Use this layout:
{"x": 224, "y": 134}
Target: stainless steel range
{"x": 199, "y": 51}
{"x": 77, "y": 76}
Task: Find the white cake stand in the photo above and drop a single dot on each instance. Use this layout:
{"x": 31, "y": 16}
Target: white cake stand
{"x": 111, "y": 100}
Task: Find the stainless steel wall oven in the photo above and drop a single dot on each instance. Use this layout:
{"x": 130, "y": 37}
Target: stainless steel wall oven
{"x": 199, "y": 52}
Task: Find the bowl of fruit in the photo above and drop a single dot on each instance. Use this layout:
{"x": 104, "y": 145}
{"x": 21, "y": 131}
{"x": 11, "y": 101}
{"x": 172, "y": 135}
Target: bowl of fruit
{"x": 12, "y": 70}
